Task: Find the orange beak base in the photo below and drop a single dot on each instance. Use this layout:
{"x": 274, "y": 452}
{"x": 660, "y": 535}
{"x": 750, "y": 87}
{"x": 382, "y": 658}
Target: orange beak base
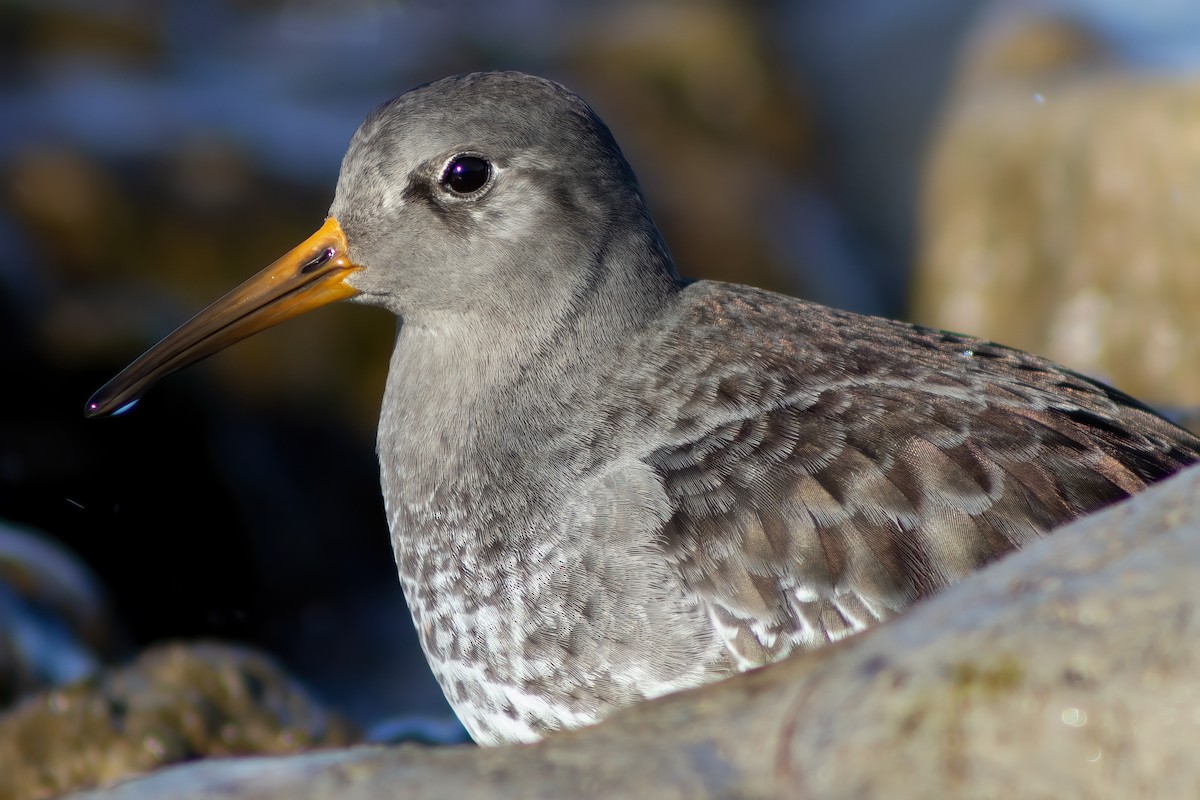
{"x": 311, "y": 275}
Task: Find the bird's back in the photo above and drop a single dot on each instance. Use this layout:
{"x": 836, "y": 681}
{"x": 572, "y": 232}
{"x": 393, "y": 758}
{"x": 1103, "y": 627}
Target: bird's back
{"x": 825, "y": 470}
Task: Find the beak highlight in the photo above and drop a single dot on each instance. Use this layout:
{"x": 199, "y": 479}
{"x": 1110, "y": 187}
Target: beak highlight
{"x": 311, "y": 275}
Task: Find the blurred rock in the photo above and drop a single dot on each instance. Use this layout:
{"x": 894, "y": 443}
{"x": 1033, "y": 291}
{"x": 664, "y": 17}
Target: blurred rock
{"x": 1184, "y": 417}
{"x": 127, "y": 39}
{"x": 1060, "y": 206}
{"x": 878, "y": 72}
{"x": 55, "y": 621}
{"x": 1064, "y": 670}
{"x": 175, "y": 703}
{"x": 71, "y": 203}
{"x": 719, "y": 137}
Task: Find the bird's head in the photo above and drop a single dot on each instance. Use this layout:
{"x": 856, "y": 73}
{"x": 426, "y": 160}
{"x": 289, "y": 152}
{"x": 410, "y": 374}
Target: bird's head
{"x": 465, "y": 198}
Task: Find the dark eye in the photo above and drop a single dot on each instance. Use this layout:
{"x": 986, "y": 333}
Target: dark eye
{"x": 466, "y": 174}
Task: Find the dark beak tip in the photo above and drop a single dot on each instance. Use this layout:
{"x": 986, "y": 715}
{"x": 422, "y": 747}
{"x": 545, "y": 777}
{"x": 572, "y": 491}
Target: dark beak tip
{"x": 95, "y": 407}
{"x": 91, "y": 409}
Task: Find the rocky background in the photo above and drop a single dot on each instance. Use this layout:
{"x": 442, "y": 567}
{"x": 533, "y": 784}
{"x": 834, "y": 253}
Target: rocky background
{"x": 1026, "y": 170}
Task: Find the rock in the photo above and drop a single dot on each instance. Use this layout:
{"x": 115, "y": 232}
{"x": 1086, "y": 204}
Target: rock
{"x": 1066, "y": 669}
{"x": 1058, "y": 216}
{"x": 174, "y": 703}
{"x": 56, "y": 625}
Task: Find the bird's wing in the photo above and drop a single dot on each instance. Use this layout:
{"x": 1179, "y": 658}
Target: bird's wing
{"x": 819, "y": 505}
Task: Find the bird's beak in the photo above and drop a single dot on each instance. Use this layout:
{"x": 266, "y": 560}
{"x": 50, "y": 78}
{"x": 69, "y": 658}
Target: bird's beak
{"x": 311, "y": 275}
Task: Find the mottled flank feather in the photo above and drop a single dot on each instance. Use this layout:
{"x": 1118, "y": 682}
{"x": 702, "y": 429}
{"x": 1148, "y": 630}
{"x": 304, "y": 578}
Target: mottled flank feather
{"x": 860, "y": 464}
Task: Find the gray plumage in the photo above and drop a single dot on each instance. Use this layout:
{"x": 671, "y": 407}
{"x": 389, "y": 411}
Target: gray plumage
{"x": 604, "y": 483}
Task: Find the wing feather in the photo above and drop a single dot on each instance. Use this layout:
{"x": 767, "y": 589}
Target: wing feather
{"x": 853, "y": 469}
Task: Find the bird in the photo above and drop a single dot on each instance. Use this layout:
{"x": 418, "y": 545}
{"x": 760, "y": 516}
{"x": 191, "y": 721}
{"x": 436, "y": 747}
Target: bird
{"x": 605, "y": 482}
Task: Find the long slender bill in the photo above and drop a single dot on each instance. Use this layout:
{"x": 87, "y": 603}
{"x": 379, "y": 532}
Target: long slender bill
{"x": 311, "y": 275}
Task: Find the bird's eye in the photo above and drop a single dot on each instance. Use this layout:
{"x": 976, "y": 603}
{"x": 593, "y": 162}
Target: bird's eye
{"x": 466, "y": 174}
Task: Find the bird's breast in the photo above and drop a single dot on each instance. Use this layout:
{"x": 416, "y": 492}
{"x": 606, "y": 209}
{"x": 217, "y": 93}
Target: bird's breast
{"x": 532, "y": 621}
